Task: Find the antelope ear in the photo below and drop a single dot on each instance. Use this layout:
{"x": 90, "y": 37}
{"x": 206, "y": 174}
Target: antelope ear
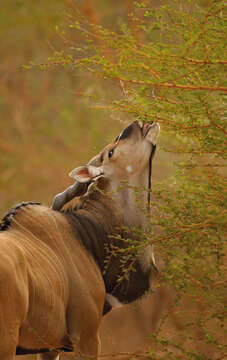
{"x": 86, "y": 173}
{"x": 153, "y": 133}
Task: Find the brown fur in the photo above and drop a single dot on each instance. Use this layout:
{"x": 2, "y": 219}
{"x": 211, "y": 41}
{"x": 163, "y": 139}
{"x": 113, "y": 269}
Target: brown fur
{"x": 55, "y": 270}
{"x": 52, "y": 286}
{"x": 45, "y": 276}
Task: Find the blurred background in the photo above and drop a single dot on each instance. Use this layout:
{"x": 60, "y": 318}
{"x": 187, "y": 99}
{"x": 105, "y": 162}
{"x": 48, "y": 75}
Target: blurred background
{"x": 47, "y": 129}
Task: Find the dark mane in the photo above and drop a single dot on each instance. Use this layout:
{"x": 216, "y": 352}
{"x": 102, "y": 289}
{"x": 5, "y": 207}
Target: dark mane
{"x": 97, "y": 238}
{"x": 7, "y": 219}
{"x": 93, "y": 220}
{"x": 91, "y": 234}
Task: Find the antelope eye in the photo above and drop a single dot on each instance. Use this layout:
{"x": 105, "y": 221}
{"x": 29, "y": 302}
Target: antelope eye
{"x": 110, "y": 154}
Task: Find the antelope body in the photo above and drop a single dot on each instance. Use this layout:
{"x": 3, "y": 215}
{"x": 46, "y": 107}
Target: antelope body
{"x": 52, "y": 279}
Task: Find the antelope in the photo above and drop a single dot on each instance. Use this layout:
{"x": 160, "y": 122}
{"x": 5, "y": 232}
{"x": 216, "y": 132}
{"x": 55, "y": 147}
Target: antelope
{"x": 55, "y": 281}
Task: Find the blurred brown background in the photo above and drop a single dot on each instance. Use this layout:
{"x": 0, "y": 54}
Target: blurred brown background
{"x": 46, "y": 129}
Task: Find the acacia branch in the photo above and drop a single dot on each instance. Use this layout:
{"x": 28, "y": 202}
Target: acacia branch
{"x": 171, "y": 85}
{"x": 206, "y": 62}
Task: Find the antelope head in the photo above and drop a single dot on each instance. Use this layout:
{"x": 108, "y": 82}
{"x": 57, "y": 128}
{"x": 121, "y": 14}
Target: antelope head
{"x": 125, "y": 164}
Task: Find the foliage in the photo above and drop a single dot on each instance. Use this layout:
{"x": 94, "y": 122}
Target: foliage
{"x": 170, "y": 66}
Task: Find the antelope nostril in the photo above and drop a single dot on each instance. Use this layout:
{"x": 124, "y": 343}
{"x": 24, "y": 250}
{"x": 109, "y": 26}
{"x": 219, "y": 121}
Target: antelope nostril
{"x": 126, "y": 133}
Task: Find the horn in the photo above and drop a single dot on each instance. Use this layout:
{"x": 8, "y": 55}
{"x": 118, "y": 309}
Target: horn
{"x": 95, "y": 161}
{"x": 77, "y": 189}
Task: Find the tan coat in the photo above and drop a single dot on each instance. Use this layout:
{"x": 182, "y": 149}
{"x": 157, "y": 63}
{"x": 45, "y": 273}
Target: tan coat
{"x": 52, "y": 289}
{"x": 50, "y": 286}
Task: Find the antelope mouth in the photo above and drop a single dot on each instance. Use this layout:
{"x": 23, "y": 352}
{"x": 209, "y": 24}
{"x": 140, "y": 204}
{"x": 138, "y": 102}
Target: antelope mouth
{"x": 150, "y": 131}
{"x": 145, "y": 127}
